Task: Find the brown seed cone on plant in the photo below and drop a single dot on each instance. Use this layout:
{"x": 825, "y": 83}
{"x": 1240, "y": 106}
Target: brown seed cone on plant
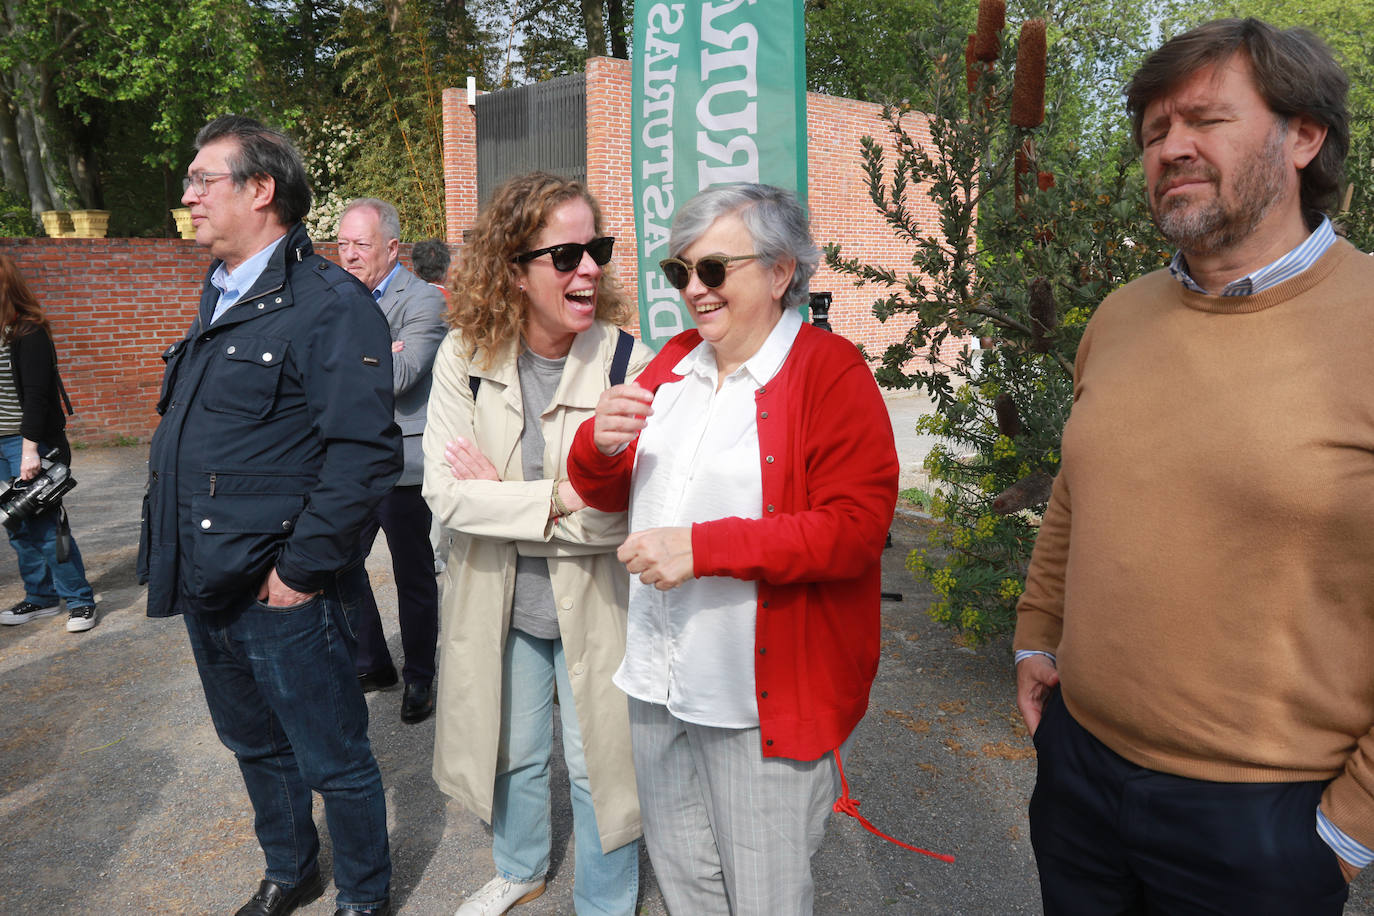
{"x": 1008, "y": 418}
{"x": 1028, "y": 87}
{"x": 1044, "y": 180}
{"x": 1043, "y": 312}
{"x": 1025, "y": 493}
{"x": 992, "y": 16}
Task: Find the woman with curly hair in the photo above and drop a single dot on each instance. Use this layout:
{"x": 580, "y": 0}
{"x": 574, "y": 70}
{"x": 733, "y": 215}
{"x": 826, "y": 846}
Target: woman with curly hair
{"x": 31, "y": 425}
{"x": 534, "y": 600}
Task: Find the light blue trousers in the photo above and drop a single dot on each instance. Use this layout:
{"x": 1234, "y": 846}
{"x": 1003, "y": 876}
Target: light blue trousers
{"x": 603, "y": 883}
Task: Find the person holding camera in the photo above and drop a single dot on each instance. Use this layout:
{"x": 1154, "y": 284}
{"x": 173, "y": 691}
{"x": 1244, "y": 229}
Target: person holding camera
{"x": 32, "y": 424}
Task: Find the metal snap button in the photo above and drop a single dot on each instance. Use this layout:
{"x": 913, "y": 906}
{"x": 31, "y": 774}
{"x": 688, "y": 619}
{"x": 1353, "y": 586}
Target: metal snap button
{"x": 232, "y": 350}
{"x": 267, "y": 357}
{"x": 205, "y": 523}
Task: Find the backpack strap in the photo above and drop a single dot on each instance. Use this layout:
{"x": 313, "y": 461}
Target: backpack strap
{"x": 57, "y": 377}
{"x": 620, "y": 363}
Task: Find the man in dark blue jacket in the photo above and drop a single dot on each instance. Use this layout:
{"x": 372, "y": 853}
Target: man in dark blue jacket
{"x": 275, "y": 445}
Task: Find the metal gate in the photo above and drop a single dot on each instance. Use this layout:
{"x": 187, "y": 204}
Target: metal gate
{"x": 543, "y": 126}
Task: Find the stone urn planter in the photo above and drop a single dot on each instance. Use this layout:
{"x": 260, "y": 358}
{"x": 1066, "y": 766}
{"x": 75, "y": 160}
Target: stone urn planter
{"x": 57, "y": 224}
{"x": 90, "y": 224}
{"x": 183, "y": 217}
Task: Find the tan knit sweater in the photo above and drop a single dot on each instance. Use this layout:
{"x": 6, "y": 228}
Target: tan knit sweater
{"x": 1205, "y": 570}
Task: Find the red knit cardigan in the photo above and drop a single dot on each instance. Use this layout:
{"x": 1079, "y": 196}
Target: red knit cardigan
{"x": 829, "y": 489}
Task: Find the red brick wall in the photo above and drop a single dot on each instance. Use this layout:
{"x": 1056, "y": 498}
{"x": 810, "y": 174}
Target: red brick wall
{"x": 114, "y": 306}
{"x": 841, "y": 210}
{"x": 842, "y": 213}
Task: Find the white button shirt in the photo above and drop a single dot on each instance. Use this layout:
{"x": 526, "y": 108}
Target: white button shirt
{"x": 692, "y": 648}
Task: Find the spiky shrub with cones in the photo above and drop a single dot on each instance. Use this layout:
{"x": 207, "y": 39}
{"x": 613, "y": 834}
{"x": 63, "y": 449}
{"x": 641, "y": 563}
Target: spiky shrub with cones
{"x": 1033, "y": 235}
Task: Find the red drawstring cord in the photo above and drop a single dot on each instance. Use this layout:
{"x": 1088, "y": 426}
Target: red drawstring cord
{"x": 846, "y": 805}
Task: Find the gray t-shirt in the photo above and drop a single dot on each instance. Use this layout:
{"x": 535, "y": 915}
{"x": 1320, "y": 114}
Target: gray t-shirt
{"x": 533, "y": 610}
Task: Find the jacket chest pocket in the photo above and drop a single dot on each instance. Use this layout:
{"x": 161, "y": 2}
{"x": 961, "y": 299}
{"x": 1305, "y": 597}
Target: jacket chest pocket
{"x": 244, "y": 375}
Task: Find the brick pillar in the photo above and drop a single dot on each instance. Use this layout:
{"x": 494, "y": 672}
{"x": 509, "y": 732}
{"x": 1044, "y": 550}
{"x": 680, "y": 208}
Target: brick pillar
{"x": 460, "y": 165}
{"x": 608, "y": 165}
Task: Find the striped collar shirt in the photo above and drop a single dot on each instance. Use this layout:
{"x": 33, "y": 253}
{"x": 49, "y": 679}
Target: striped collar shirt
{"x": 1286, "y": 267}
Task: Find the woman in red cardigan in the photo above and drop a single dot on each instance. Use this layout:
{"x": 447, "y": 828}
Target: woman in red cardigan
{"x": 756, "y": 457}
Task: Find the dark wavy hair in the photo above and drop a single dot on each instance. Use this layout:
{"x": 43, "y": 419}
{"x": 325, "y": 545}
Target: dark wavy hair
{"x": 20, "y": 313}
{"x": 486, "y": 305}
{"x": 1294, "y": 72}
{"x": 263, "y": 151}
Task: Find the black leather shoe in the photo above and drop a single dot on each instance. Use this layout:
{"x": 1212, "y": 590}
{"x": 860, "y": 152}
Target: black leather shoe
{"x": 378, "y": 680}
{"x": 273, "y": 899}
{"x": 418, "y": 703}
{"x": 383, "y": 910}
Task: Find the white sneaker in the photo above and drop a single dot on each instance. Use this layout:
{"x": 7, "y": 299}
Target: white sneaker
{"x": 25, "y": 611}
{"x": 499, "y": 895}
{"x": 80, "y": 619}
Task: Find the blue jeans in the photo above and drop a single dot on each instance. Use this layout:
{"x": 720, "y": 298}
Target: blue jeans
{"x": 35, "y": 541}
{"x": 285, "y": 699}
{"x": 603, "y": 883}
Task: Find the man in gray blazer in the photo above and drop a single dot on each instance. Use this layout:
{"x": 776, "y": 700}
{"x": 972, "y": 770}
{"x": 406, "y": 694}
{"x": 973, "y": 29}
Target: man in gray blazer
{"x": 369, "y": 247}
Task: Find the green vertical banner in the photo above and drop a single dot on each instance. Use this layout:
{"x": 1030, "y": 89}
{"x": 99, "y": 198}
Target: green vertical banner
{"x": 719, "y": 96}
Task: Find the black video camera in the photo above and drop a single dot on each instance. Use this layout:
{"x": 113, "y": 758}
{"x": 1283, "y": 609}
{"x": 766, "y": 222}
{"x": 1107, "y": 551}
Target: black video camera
{"x": 26, "y": 498}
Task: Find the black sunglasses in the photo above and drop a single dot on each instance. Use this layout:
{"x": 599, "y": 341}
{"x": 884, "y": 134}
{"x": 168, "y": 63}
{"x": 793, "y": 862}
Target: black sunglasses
{"x": 567, "y": 256}
{"x": 710, "y": 268}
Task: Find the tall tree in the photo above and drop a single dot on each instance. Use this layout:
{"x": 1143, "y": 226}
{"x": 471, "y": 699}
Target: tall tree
{"x": 395, "y": 58}
{"x": 873, "y": 49}
{"x": 70, "y": 69}
{"x": 557, "y": 36}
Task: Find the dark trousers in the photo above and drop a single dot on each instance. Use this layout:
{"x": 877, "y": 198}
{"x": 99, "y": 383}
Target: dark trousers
{"x": 1113, "y": 838}
{"x": 284, "y": 698}
{"x": 404, "y": 516}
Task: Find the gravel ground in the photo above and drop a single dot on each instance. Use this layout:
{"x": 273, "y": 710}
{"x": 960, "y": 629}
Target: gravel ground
{"x": 117, "y": 798}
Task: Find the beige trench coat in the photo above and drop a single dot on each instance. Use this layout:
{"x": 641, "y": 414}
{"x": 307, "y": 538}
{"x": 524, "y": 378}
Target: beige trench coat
{"x": 492, "y": 519}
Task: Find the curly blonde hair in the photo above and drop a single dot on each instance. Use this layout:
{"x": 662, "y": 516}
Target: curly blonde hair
{"x": 486, "y": 305}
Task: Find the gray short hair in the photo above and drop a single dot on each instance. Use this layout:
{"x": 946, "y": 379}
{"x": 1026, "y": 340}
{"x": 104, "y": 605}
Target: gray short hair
{"x": 776, "y": 222}
{"x": 387, "y": 217}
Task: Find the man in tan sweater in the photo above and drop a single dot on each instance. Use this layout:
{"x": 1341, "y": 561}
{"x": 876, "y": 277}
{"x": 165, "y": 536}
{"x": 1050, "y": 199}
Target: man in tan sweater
{"x": 1193, "y": 645}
